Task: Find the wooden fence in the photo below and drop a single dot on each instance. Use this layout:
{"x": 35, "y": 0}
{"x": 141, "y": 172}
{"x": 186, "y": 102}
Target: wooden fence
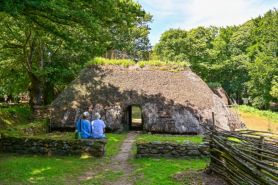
{"x": 244, "y": 157}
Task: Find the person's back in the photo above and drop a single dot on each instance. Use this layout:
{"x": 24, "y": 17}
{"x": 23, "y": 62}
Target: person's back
{"x": 86, "y": 130}
{"x": 84, "y": 127}
{"x": 98, "y": 127}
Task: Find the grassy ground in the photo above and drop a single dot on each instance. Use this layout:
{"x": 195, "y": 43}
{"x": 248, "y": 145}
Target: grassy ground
{"x": 27, "y": 169}
{"x": 15, "y": 115}
{"x": 272, "y": 116}
{"x": 32, "y": 169}
{"x": 168, "y": 138}
{"x": 255, "y": 119}
{"x": 161, "y": 171}
{"x": 17, "y": 121}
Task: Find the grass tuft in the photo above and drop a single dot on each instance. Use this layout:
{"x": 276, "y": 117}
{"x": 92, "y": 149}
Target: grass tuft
{"x": 162, "y": 65}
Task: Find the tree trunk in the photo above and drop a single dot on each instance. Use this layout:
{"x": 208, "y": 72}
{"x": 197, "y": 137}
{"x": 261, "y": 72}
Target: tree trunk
{"x": 35, "y": 91}
{"x": 48, "y": 93}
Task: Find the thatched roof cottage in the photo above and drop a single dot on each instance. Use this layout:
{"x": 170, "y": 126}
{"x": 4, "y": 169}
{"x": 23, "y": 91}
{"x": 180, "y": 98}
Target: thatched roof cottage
{"x": 171, "y": 102}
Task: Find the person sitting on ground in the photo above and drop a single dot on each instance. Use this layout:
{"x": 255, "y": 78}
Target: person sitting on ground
{"x": 83, "y": 126}
{"x": 98, "y": 127}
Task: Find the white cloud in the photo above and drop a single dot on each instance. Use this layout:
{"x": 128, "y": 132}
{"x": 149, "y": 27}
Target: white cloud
{"x": 188, "y": 14}
{"x": 222, "y": 12}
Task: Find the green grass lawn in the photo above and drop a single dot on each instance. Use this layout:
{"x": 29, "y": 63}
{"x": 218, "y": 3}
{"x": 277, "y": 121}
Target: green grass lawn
{"x": 25, "y": 169}
{"x": 28, "y": 169}
{"x": 150, "y": 171}
{"x": 168, "y": 138}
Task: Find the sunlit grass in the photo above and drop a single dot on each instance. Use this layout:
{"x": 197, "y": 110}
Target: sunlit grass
{"x": 114, "y": 142}
{"x": 161, "y": 171}
{"x": 24, "y": 169}
{"x": 273, "y": 116}
{"x": 27, "y": 169}
{"x": 162, "y": 65}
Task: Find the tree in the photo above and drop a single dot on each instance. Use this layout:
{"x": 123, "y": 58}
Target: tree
{"x": 171, "y": 46}
{"x": 49, "y": 41}
{"x": 274, "y": 88}
{"x": 243, "y": 59}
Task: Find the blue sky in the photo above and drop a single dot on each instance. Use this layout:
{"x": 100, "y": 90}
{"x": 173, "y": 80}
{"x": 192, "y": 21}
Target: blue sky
{"x": 187, "y": 14}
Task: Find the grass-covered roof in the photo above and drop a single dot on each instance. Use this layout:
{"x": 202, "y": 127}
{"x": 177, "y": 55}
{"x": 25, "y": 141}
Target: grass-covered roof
{"x": 163, "y": 65}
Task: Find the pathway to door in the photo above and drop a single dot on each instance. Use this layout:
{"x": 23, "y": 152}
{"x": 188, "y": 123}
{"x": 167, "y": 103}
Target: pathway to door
{"x": 119, "y": 163}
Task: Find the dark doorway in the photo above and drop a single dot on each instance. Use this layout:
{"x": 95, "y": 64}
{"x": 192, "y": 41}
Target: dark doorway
{"x": 135, "y": 121}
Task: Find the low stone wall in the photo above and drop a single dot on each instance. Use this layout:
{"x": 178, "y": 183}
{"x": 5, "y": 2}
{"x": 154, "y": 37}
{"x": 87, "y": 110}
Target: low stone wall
{"x": 42, "y": 112}
{"x": 166, "y": 149}
{"x": 24, "y": 145}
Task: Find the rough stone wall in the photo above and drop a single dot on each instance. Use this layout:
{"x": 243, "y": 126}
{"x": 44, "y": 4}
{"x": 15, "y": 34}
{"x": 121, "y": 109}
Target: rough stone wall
{"x": 165, "y": 149}
{"x": 171, "y": 102}
{"x": 52, "y": 147}
{"x": 41, "y": 112}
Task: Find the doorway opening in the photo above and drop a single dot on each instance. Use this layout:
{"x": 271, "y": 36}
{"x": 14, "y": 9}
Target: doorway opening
{"x": 135, "y": 119}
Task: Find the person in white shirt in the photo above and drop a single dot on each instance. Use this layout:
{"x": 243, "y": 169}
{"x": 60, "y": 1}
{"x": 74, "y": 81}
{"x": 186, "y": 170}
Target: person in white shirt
{"x": 98, "y": 127}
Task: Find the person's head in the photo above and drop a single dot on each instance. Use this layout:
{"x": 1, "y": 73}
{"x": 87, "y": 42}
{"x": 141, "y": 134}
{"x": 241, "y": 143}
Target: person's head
{"x": 97, "y": 115}
{"x": 85, "y": 115}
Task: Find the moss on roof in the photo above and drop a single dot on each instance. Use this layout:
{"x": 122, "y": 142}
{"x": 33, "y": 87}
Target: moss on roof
{"x": 157, "y": 64}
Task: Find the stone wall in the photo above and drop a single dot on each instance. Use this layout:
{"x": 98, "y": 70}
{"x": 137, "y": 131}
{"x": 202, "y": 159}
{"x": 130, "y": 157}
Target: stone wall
{"x": 24, "y": 145}
{"x": 166, "y": 149}
{"x": 42, "y": 112}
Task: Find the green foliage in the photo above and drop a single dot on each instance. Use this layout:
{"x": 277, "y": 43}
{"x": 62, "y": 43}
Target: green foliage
{"x": 263, "y": 113}
{"x": 44, "y": 44}
{"x": 274, "y": 87}
{"x": 243, "y": 59}
{"x": 168, "y": 138}
{"x": 214, "y": 84}
{"x": 161, "y": 171}
{"x": 15, "y": 115}
{"x": 136, "y": 112}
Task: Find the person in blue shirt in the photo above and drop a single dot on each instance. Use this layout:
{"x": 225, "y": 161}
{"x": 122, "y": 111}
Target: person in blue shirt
{"x": 98, "y": 127}
{"x": 83, "y": 126}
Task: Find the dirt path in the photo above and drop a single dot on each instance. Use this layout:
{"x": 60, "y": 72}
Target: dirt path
{"x": 120, "y": 162}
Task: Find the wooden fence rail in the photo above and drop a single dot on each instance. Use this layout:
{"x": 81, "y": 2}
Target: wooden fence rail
{"x": 244, "y": 157}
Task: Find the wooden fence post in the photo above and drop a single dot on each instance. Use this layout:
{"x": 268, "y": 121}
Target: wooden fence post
{"x": 211, "y": 145}
{"x": 261, "y": 143}
{"x": 213, "y": 122}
